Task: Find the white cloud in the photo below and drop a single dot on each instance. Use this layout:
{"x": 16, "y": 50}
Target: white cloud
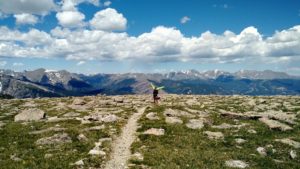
{"x": 26, "y": 18}
{"x": 107, "y": 3}
{"x": 39, "y": 7}
{"x": 70, "y": 18}
{"x": 18, "y": 64}
{"x": 109, "y": 20}
{"x": 159, "y": 45}
{"x": 3, "y": 63}
{"x": 184, "y": 19}
{"x": 80, "y": 63}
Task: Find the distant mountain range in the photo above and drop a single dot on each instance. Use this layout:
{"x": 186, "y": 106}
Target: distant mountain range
{"x": 46, "y": 83}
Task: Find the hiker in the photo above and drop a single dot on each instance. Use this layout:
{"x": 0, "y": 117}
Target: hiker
{"x": 155, "y": 92}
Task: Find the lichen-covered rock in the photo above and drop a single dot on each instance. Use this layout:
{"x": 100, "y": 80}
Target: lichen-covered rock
{"x": 30, "y": 115}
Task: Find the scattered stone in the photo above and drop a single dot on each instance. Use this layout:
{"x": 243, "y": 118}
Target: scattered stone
{"x": 78, "y": 101}
{"x": 152, "y": 116}
{"x": 195, "y": 124}
{"x": 214, "y": 135}
{"x": 173, "y": 120}
{"x": 96, "y": 128}
{"x": 240, "y": 140}
{"x": 30, "y": 115}
{"x": 79, "y": 163}
{"x": 155, "y": 131}
{"x": 71, "y": 114}
{"x": 97, "y": 152}
{"x": 48, "y": 155}
{"x": 15, "y": 158}
{"x": 236, "y": 164}
{"x": 55, "y": 139}
{"x": 273, "y": 124}
{"x": 290, "y": 142}
{"x": 252, "y": 131}
{"x": 81, "y": 137}
{"x": 228, "y": 126}
{"x": 109, "y": 118}
{"x": 137, "y": 156}
{"x": 293, "y": 154}
{"x": 262, "y": 151}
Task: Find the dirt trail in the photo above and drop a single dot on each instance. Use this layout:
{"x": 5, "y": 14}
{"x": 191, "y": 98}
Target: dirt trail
{"x": 121, "y": 146}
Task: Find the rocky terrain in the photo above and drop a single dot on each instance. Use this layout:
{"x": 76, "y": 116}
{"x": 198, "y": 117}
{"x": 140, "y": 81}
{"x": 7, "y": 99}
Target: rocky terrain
{"x": 129, "y": 131}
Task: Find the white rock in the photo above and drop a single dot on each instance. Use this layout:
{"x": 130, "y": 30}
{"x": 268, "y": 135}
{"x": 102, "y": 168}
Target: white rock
{"x": 30, "y": 115}
{"x": 290, "y": 142}
{"x": 195, "y": 124}
{"x": 293, "y": 154}
{"x": 236, "y": 164}
{"x": 262, "y": 151}
{"x": 152, "y": 116}
{"x": 97, "y": 152}
{"x": 214, "y": 135}
{"x": 240, "y": 140}
{"x": 80, "y": 163}
{"x": 155, "y": 131}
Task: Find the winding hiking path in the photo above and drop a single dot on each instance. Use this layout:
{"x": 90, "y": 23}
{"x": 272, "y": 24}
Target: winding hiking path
{"x": 121, "y": 146}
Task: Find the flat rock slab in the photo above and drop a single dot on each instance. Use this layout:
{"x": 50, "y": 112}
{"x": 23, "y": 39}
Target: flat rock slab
{"x": 290, "y": 142}
{"x": 214, "y": 135}
{"x": 55, "y": 139}
{"x": 195, "y": 124}
{"x": 152, "y": 116}
{"x": 155, "y": 131}
{"x": 273, "y": 124}
{"x": 30, "y": 115}
{"x": 236, "y": 164}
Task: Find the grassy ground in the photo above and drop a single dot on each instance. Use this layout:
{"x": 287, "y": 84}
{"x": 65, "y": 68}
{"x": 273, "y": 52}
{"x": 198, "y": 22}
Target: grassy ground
{"x": 18, "y": 149}
{"x": 182, "y": 147}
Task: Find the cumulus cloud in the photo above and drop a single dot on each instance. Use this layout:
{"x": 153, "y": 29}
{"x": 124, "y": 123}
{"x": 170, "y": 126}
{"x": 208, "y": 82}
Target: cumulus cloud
{"x": 107, "y": 3}
{"x": 70, "y": 18}
{"x": 109, "y": 20}
{"x": 161, "y": 44}
{"x": 80, "y": 63}
{"x": 26, "y": 18}
{"x": 40, "y": 7}
{"x": 184, "y": 19}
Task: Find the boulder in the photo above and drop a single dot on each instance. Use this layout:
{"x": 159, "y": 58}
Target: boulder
{"x": 152, "y": 116}
{"x": 155, "y": 131}
{"x": 236, "y": 164}
{"x": 30, "y": 115}
{"x": 214, "y": 135}
{"x": 290, "y": 142}
{"x": 261, "y": 151}
{"x": 273, "y": 124}
{"x": 195, "y": 124}
{"x": 78, "y": 101}
{"x": 293, "y": 154}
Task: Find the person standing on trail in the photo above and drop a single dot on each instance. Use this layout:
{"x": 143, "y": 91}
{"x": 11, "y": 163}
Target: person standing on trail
{"x": 155, "y": 92}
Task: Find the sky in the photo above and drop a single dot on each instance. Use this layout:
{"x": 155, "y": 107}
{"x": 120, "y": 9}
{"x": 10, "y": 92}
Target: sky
{"x": 118, "y": 36}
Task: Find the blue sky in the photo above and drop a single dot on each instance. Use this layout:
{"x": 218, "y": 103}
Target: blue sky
{"x": 92, "y": 36}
